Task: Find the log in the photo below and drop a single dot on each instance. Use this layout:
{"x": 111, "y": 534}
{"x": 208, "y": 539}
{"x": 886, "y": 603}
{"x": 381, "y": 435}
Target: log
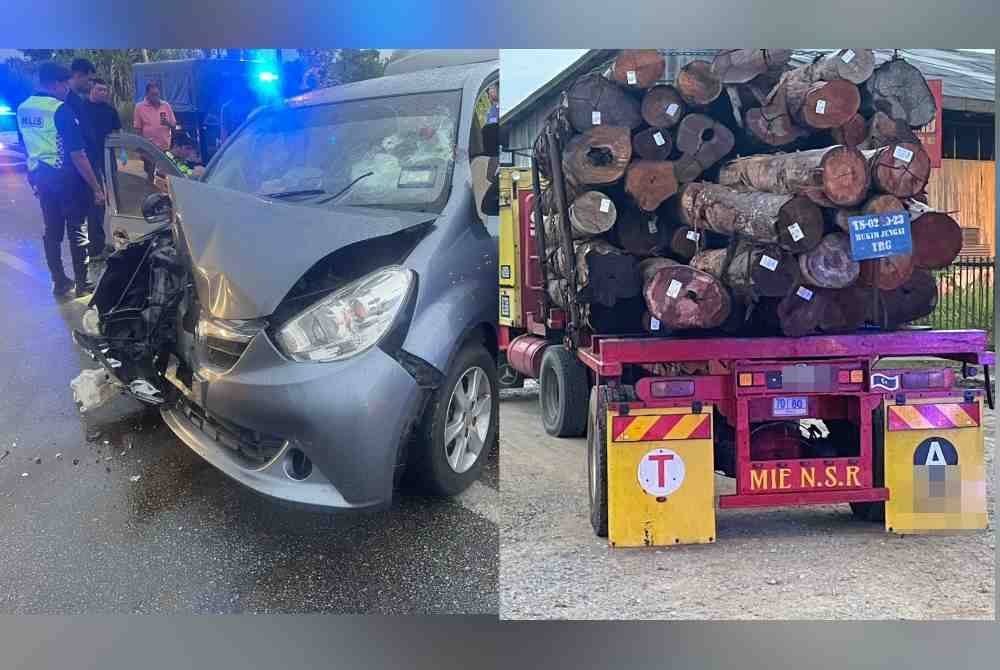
{"x": 640, "y": 233}
{"x": 591, "y": 214}
{"x": 853, "y": 133}
{"x": 698, "y": 83}
{"x": 650, "y": 183}
{"x": 839, "y": 173}
{"x": 772, "y": 124}
{"x": 682, "y": 297}
{"x": 846, "y": 309}
{"x": 900, "y": 90}
{"x": 937, "y": 238}
{"x": 703, "y": 143}
{"x": 558, "y": 122}
{"x": 605, "y": 274}
{"x": 853, "y": 65}
{"x": 822, "y": 104}
{"x": 752, "y": 270}
{"x": 884, "y": 130}
{"x": 654, "y": 144}
{"x": 638, "y": 68}
{"x": 901, "y": 168}
{"x": 625, "y": 318}
{"x": 739, "y": 66}
{"x": 914, "y": 299}
{"x": 801, "y": 311}
{"x": 683, "y": 242}
{"x": 830, "y": 265}
{"x": 599, "y": 156}
{"x": 793, "y": 222}
{"x": 663, "y": 107}
{"x": 891, "y": 271}
{"x": 593, "y": 101}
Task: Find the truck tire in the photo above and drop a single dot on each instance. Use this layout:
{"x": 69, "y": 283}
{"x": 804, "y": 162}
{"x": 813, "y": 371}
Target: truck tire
{"x": 874, "y": 512}
{"x": 563, "y": 388}
{"x": 436, "y": 467}
{"x": 597, "y": 462}
{"x": 507, "y": 376}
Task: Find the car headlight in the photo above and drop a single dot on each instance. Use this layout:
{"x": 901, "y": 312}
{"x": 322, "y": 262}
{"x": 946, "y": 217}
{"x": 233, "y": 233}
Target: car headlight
{"x": 350, "y": 320}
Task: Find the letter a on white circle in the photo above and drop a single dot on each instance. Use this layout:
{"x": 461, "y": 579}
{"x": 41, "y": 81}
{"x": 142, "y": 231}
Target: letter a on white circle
{"x": 934, "y": 455}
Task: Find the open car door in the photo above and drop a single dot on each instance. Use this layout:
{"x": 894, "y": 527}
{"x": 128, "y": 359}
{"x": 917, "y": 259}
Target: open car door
{"x": 133, "y": 168}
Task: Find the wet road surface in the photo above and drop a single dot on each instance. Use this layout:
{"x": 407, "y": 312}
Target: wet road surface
{"x": 109, "y": 512}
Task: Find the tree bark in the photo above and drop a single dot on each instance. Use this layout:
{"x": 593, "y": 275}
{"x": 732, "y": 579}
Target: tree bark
{"x": 703, "y": 143}
{"x": 638, "y": 68}
{"x": 654, "y": 144}
{"x": 640, "y": 233}
{"x": 821, "y": 104}
{"x": 739, "y": 66}
{"x": 900, "y": 90}
{"x": 853, "y": 65}
{"x": 598, "y": 156}
{"x": 884, "y": 130}
{"x": 901, "y": 168}
{"x": 937, "y": 238}
{"x": 853, "y": 133}
{"x": 650, "y": 183}
{"x": 663, "y": 107}
{"x": 793, "y": 222}
{"x": 604, "y": 274}
{"x": 830, "y": 265}
{"x": 840, "y": 173}
{"x": 593, "y": 101}
{"x": 591, "y": 214}
{"x": 682, "y": 297}
{"x": 750, "y": 269}
{"x": 772, "y": 124}
{"x": 698, "y": 83}
{"x": 914, "y": 299}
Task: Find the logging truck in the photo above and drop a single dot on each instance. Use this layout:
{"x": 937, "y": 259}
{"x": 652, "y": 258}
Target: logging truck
{"x": 812, "y": 420}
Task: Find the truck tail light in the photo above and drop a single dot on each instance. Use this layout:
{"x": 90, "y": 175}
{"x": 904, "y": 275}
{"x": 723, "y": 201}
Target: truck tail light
{"x": 850, "y": 376}
{"x": 671, "y": 389}
{"x": 924, "y": 380}
{"x": 857, "y": 376}
{"x": 745, "y": 379}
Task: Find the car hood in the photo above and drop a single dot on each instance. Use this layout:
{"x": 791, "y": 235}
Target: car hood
{"x": 247, "y": 252}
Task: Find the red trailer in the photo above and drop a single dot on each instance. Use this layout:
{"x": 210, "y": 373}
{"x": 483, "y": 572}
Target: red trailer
{"x": 795, "y": 421}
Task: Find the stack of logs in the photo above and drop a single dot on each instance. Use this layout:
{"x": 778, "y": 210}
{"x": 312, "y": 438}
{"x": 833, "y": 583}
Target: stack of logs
{"x": 673, "y": 230}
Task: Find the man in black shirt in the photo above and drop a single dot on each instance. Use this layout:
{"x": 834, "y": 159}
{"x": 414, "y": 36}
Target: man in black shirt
{"x": 82, "y": 73}
{"x": 60, "y": 174}
{"x": 101, "y": 120}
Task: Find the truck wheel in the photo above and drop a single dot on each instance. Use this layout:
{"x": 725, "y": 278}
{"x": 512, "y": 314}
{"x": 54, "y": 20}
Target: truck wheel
{"x": 460, "y": 425}
{"x": 563, "y": 389}
{"x": 874, "y": 512}
{"x": 507, "y": 376}
{"x": 597, "y": 462}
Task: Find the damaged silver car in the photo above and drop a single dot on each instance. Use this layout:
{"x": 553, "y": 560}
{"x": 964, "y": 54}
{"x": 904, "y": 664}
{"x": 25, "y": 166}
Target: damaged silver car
{"x": 317, "y": 314}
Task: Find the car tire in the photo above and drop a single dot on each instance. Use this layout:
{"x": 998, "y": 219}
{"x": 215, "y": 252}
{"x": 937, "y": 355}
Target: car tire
{"x": 597, "y": 462}
{"x": 435, "y": 468}
{"x": 563, "y": 393}
{"x": 874, "y": 512}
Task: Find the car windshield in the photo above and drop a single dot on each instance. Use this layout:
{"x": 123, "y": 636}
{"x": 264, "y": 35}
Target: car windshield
{"x": 398, "y": 152}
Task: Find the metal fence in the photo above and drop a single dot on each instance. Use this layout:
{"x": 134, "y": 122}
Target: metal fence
{"x": 965, "y": 295}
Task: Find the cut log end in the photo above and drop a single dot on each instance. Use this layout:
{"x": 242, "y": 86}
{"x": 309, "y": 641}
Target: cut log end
{"x": 887, "y": 273}
{"x": 830, "y": 104}
{"x": 800, "y": 225}
{"x": 684, "y": 298}
{"x": 654, "y": 144}
{"x": 937, "y": 240}
{"x": 830, "y": 265}
{"x": 901, "y": 169}
{"x": 703, "y": 142}
{"x": 598, "y": 156}
{"x": 663, "y": 107}
{"x": 591, "y": 214}
{"x": 844, "y": 176}
{"x": 638, "y": 68}
{"x": 595, "y": 101}
{"x": 698, "y": 83}
{"x": 852, "y": 133}
{"x": 650, "y": 183}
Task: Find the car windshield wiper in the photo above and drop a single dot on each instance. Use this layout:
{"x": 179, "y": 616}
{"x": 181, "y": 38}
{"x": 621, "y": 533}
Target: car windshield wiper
{"x": 291, "y": 194}
{"x": 345, "y": 189}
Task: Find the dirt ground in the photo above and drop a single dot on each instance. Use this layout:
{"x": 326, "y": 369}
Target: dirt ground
{"x": 792, "y": 563}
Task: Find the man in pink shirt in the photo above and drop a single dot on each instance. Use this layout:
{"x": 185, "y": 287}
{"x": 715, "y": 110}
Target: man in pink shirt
{"x": 154, "y": 118}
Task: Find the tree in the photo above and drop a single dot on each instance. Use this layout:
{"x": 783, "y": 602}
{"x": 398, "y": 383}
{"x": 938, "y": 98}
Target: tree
{"x": 342, "y": 66}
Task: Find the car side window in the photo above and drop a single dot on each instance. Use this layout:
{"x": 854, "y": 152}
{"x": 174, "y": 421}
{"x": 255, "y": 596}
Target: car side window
{"x": 483, "y": 138}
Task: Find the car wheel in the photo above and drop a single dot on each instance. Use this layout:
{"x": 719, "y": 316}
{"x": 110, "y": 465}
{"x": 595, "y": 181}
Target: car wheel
{"x": 597, "y": 462}
{"x": 460, "y": 425}
{"x": 563, "y": 393}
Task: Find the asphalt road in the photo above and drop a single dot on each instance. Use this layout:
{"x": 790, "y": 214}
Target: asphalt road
{"x": 791, "y": 563}
{"x": 109, "y": 513}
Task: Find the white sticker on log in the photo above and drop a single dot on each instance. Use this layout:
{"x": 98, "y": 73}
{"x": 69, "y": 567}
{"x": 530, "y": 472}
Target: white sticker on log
{"x": 672, "y": 109}
{"x": 652, "y": 226}
{"x": 605, "y": 205}
{"x": 769, "y": 263}
{"x": 804, "y": 293}
{"x": 674, "y": 289}
{"x": 630, "y": 77}
{"x": 848, "y": 56}
{"x": 821, "y": 106}
{"x": 658, "y": 138}
{"x": 796, "y": 232}
{"x": 903, "y": 154}
{"x": 595, "y": 118}
{"x": 654, "y": 323}
{"x": 693, "y": 235}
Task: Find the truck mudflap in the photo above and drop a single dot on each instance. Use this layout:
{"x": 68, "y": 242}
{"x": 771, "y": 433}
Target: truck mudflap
{"x": 934, "y": 464}
{"x": 661, "y": 479}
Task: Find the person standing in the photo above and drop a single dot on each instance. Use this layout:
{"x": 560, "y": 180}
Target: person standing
{"x": 102, "y": 120}
{"x": 154, "y": 118}
{"x": 60, "y": 174}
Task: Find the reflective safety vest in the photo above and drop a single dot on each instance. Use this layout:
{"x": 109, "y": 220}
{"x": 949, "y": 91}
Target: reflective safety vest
{"x": 36, "y": 119}
{"x": 180, "y": 165}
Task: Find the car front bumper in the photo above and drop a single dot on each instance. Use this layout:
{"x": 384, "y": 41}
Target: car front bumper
{"x": 349, "y": 419}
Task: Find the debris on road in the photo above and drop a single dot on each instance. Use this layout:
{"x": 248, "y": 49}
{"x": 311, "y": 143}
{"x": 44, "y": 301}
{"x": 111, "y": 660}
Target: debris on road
{"x": 93, "y": 435}
{"x": 92, "y": 388}
{"x": 24, "y": 474}
{"x": 135, "y": 478}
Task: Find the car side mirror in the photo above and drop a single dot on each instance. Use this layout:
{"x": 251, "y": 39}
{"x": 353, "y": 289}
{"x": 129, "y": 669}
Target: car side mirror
{"x": 157, "y": 208}
{"x": 485, "y": 185}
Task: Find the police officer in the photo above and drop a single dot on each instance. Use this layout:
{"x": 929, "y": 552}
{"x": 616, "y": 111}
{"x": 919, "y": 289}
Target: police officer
{"x": 60, "y": 174}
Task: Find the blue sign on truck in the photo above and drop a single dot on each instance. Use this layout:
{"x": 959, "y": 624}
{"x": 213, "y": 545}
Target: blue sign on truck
{"x": 880, "y": 235}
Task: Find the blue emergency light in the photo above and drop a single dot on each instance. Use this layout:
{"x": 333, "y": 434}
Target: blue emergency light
{"x": 268, "y": 77}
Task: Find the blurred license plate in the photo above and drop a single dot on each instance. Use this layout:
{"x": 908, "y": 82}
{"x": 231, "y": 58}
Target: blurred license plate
{"x": 795, "y": 406}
